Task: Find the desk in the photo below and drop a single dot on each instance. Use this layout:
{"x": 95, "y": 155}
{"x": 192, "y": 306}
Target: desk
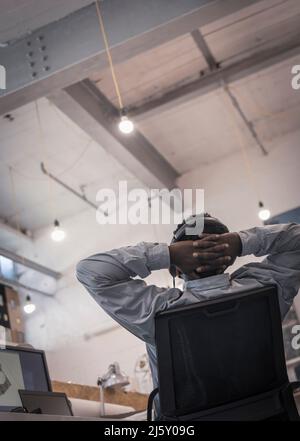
{"x": 32, "y": 417}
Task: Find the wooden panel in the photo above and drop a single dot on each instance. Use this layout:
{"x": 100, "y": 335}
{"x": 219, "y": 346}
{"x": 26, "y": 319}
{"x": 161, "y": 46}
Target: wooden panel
{"x": 15, "y": 315}
{"x": 133, "y": 399}
{"x": 4, "y": 319}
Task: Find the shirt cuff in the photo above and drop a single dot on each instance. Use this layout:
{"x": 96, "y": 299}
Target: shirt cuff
{"x": 249, "y": 242}
{"x": 158, "y": 257}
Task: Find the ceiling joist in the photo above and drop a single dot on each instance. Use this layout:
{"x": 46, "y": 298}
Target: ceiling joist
{"x": 84, "y": 104}
{"x": 214, "y": 80}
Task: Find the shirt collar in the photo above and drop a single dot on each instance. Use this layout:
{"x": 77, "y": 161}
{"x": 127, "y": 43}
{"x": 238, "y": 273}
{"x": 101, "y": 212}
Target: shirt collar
{"x": 212, "y": 282}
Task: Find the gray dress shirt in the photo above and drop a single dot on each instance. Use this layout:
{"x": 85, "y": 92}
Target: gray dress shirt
{"x": 110, "y": 278}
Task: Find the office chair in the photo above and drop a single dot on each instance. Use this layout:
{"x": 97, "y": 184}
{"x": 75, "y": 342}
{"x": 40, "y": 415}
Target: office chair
{"x": 223, "y": 359}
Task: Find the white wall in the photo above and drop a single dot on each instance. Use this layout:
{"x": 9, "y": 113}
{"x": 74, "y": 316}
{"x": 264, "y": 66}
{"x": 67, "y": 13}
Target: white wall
{"x": 84, "y": 360}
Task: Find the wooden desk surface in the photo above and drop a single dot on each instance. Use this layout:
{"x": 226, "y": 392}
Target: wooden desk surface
{"x": 133, "y": 399}
{"x": 32, "y": 417}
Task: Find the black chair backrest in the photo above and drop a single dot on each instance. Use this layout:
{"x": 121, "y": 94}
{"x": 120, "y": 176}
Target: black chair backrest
{"x": 220, "y": 351}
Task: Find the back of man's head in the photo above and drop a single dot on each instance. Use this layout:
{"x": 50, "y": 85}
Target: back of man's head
{"x": 211, "y": 225}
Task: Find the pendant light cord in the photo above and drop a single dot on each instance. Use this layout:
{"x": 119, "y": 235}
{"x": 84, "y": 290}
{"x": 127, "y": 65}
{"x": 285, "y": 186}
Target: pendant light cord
{"x": 108, "y": 52}
{"x": 242, "y": 147}
{"x": 44, "y": 158}
{"x": 14, "y": 200}
{"x": 15, "y": 207}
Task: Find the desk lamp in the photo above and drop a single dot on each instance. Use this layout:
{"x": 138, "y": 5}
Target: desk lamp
{"x": 113, "y": 379}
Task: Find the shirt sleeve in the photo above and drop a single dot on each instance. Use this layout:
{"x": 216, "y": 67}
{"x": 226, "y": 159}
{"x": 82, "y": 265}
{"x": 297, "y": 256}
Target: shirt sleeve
{"x": 110, "y": 279}
{"x": 281, "y": 245}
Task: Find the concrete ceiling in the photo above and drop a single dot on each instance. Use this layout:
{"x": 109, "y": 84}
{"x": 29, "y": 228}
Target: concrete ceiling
{"x": 186, "y": 134}
{"x": 265, "y": 24}
{"x": 190, "y": 135}
{"x": 207, "y": 129}
{"x": 146, "y": 75}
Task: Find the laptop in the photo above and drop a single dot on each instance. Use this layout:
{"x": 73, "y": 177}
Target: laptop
{"x": 49, "y": 403}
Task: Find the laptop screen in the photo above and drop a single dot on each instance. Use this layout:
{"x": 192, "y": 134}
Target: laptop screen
{"x": 21, "y": 368}
{"x": 49, "y": 403}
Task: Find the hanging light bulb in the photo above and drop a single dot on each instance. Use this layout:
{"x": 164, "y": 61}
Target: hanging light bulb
{"x": 126, "y": 126}
{"x": 58, "y": 234}
{"x": 263, "y": 214}
{"x": 29, "y": 307}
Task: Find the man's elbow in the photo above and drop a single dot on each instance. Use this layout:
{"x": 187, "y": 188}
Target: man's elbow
{"x": 93, "y": 274}
{"x": 81, "y": 271}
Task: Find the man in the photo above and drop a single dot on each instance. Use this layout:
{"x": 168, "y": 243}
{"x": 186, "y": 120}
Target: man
{"x": 201, "y": 262}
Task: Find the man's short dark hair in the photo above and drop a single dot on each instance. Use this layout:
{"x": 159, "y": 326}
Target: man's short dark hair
{"x": 212, "y": 225}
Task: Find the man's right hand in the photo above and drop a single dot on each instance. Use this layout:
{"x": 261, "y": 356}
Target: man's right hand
{"x": 233, "y": 249}
{"x": 192, "y": 256}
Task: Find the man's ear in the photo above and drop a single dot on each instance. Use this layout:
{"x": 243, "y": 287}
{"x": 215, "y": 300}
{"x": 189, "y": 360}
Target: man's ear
{"x": 178, "y": 273}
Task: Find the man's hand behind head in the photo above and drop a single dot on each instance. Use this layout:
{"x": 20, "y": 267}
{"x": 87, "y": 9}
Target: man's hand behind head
{"x": 192, "y": 257}
{"x": 233, "y": 249}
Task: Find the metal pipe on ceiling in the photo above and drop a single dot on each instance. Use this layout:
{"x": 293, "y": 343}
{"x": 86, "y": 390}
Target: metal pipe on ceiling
{"x": 244, "y": 118}
{"x": 82, "y": 197}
